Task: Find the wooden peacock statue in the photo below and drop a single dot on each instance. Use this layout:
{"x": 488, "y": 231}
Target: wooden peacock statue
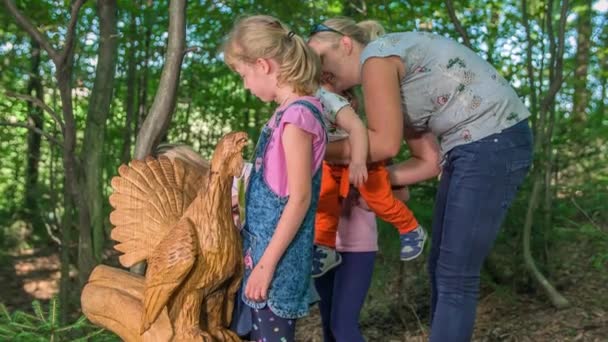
{"x": 177, "y": 217}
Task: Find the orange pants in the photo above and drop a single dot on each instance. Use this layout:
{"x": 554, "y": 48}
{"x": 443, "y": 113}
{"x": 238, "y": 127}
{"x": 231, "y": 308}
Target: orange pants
{"x": 376, "y": 192}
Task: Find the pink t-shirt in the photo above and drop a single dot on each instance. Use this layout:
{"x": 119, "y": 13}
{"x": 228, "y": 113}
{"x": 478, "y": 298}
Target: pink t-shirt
{"x": 275, "y": 168}
{"x": 358, "y": 232}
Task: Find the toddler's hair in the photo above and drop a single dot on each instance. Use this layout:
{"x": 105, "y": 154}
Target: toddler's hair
{"x": 263, "y": 36}
{"x": 184, "y": 153}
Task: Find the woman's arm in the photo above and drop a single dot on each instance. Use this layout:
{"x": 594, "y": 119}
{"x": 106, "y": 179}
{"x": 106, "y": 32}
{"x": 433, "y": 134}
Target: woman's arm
{"x": 381, "y": 88}
{"x": 298, "y": 156}
{"x": 423, "y": 162}
{"x": 381, "y": 81}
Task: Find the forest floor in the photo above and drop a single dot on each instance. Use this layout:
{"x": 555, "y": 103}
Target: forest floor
{"x": 502, "y": 315}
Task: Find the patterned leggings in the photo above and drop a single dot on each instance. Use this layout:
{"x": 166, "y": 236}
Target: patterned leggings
{"x": 268, "y": 327}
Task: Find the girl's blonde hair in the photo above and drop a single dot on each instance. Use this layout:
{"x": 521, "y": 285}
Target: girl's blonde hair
{"x": 262, "y": 36}
{"x": 362, "y": 32}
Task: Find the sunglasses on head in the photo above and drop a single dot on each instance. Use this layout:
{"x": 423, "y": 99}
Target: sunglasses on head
{"x": 324, "y": 28}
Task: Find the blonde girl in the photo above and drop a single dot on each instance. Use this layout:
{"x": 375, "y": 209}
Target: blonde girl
{"x": 277, "y": 66}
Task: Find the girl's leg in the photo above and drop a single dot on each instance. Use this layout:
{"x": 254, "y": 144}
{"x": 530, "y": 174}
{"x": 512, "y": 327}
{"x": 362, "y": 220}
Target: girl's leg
{"x": 351, "y": 283}
{"x": 325, "y": 288}
{"x": 268, "y": 327}
{"x": 483, "y": 182}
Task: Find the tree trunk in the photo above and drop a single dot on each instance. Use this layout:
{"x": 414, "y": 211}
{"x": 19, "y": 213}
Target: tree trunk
{"x": 66, "y": 243}
{"x": 581, "y": 93}
{"x": 64, "y": 61}
{"x": 556, "y": 298}
{"x": 131, "y": 99}
{"x": 157, "y": 121}
{"x": 542, "y": 146}
{"x": 603, "y": 76}
{"x": 159, "y": 117}
{"x": 98, "y": 112}
{"x": 530, "y": 67}
{"x": 143, "y": 85}
{"x": 35, "y": 119}
{"x": 604, "y": 93}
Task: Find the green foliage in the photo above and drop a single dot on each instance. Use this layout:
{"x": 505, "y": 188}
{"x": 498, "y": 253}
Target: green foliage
{"x": 45, "y": 326}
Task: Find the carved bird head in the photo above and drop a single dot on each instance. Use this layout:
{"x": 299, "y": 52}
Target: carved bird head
{"x": 227, "y": 159}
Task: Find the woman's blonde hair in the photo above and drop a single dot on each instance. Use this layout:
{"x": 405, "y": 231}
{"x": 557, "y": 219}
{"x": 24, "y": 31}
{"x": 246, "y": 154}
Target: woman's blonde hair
{"x": 362, "y": 32}
{"x": 262, "y": 36}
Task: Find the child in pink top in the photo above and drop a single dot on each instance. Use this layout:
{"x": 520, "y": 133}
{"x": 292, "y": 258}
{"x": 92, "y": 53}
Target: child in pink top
{"x": 277, "y": 66}
{"x": 343, "y": 289}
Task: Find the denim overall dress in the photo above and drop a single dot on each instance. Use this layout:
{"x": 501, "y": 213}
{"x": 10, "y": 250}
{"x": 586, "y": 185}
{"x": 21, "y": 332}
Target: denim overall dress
{"x": 288, "y": 294}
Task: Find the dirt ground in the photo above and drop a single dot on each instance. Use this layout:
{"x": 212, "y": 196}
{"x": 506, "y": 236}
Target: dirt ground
{"x": 500, "y": 317}
{"x": 32, "y": 275}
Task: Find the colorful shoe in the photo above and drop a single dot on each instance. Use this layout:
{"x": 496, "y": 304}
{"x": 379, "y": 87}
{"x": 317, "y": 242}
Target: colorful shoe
{"x": 412, "y": 243}
{"x": 323, "y": 260}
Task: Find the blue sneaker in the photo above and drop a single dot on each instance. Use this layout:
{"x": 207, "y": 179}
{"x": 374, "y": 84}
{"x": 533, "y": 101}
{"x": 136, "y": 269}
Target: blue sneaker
{"x": 412, "y": 243}
{"x": 323, "y": 260}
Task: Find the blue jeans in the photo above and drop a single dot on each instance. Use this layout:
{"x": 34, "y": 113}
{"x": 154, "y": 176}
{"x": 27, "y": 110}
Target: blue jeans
{"x": 478, "y": 184}
{"x": 343, "y": 291}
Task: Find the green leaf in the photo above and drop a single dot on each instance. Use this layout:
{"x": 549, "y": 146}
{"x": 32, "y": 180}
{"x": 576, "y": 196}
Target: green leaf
{"x": 38, "y": 311}
{"x": 5, "y": 314}
{"x": 23, "y": 317}
{"x": 90, "y": 335}
{"x": 53, "y": 311}
{"x": 6, "y": 331}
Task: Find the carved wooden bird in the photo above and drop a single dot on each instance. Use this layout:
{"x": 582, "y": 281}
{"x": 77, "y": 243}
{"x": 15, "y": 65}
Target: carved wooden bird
{"x": 192, "y": 247}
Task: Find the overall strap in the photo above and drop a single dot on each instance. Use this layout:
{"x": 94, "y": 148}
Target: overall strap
{"x": 315, "y": 111}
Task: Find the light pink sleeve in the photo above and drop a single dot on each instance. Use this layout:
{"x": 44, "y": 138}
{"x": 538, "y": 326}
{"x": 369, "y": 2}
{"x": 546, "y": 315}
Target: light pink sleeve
{"x": 275, "y": 172}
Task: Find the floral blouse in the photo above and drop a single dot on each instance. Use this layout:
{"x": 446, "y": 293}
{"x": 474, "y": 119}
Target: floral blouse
{"x": 448, "y": 89}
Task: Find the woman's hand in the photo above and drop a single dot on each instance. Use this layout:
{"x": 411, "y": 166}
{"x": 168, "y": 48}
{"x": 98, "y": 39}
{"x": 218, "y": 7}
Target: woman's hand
{"x": 259, "y": 282}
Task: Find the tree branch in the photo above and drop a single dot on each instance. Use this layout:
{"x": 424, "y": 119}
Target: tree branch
{"x": 71, "y": 29}
{"x": 557, "y": 81}
{"x": 159, "y": 116}
{"x": 192, "y": 49}
{"x": 26, "y": 24}
{"x": 597, "y": 226}
{"x": 35, "y": 129}
{"x": 457, "y": 24}
{"x": 362, "y": 9}
{"x": 530, "y": 67}
{"x": 38, "y": 103}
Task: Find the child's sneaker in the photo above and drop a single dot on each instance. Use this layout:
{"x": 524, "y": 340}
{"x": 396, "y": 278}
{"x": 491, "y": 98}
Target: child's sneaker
{"x": 323, "y": 260}
{"x": 412, "y": 243}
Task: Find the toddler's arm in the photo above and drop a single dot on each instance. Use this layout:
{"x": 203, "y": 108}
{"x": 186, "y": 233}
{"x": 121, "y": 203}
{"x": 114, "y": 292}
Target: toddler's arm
{"x": 350, "y": 122}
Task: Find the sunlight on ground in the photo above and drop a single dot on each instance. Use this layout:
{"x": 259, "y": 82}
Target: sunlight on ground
{"x": 40, "y": 275}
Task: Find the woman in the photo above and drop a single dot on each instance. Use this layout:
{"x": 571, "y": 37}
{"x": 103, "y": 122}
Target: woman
{"x": 421, "y": 87}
